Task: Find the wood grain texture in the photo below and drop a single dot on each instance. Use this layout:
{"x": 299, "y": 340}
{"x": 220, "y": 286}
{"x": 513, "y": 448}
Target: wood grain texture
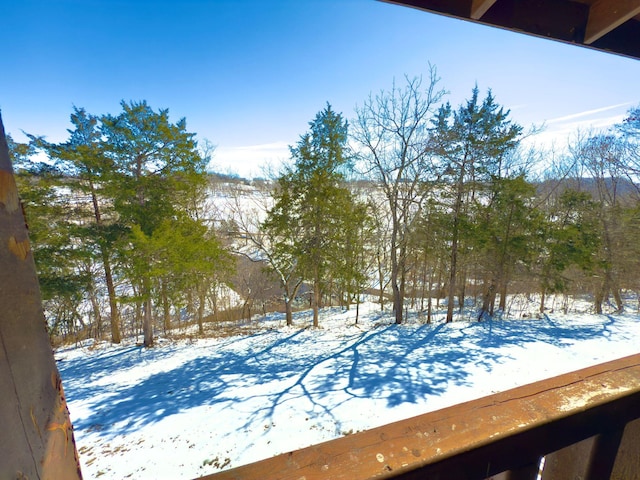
{"x": 606, "y": 15}
{"x": 480, "y": 7}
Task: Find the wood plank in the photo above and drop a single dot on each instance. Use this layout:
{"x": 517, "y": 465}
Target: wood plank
{"x": 606, "y": 15}
{"x": 480, "y": 7}
{"x": 530, "y": 472}
{"x": 590, "y": 459}
{"x": 569, "y": 462}
{"x": 476, "y": 439}
{"x": 627, "y": 465}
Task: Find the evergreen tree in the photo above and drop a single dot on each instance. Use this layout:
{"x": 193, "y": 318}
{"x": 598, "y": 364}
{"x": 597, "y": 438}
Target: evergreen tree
{"x": 505, "y": 237}
{"x": 181, "y": 255}
{"x": 570, "y": 238}
{"x": 55, "y": 235}
{"x": 278, "y": 242}
{"x": 350, "y": 261}
{"x": 86, "y": 171}
{"x": 471, "y": 143}
{"x": 310, "y": 200}
{"x": 156, "y": 165}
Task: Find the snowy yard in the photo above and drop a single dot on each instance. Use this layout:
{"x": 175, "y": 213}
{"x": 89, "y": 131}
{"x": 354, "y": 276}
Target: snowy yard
{"x": 193, "y": 407}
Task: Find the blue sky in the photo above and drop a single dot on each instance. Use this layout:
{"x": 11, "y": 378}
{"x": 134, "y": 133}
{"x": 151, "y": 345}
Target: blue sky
{"x": 250, "y": 75}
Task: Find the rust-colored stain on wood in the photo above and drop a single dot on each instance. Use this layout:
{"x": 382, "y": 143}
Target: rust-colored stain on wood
{"x": 8, "y": 192}
{"x": 60, "y": 423}
{"x": 19, "y": 248}
{"x": 34, "y": 420}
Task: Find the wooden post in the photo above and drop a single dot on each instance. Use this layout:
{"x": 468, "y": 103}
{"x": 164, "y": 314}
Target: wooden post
{"x": 36, "y": 435}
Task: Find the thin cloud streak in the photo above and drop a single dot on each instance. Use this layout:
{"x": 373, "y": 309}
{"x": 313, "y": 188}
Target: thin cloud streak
{"x": 559, "y": 135}
{"x": 586, "y": 113}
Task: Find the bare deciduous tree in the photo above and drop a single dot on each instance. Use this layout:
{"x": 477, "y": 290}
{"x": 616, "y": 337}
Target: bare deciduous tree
{"x": 392, "y": 130}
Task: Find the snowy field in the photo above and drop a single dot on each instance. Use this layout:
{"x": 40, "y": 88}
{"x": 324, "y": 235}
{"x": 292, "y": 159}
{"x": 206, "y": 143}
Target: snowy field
{"x": 192, "y": 407}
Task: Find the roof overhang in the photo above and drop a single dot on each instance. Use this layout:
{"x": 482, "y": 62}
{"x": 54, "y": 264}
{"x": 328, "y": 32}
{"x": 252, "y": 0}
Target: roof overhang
{"x": 611, "y": 26}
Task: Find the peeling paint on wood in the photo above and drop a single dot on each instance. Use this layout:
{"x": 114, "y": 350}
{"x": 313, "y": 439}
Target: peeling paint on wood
{"x": 60, "y": 423}
{"x": 8, "y": 192}
{"x": 35, "y": 421}
{"x": 19, "y": 248}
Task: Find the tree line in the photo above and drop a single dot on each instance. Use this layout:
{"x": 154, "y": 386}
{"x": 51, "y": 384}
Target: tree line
{"x": 414, "y": 200}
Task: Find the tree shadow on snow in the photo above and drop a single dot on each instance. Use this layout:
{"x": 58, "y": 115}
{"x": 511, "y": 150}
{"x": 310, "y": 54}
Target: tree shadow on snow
{"x": 394, "y": 363}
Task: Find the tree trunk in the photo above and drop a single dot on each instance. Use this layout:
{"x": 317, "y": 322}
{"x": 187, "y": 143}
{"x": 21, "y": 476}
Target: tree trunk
{"x": 96, "y": 311}
{"x": 106, "y": 263}
{"x": 487, "y": 299}
{"x": 395, "y": 272}
{"x": 503, "y": 295}
{"x": 36, "y": 440}
{"x": 463, "y": 292}
{"x": 290, "y": 294}
{"x": 381, "y": 283}
{"x": 454, "y": 261}
{"x": 599, "y": 297}
{"x": 414, "y": 289}
{"x": 441, "y": 287}
{"x": 113, "y": 302}
{"x": 316, "y": 303}
{"x": 615, "y": 289}
{"x": 402, "y": 267}
{"x": 288, "y": 312}
{"x": 457, "y": 212}
{"x": 166, "y": 310}
{"x": 452, "y": 280}
{"x": 201, "y": 296}
{"x": 424, "y": 281}
{"x": 147, "y": 319}
{"x": 397, "y": 301}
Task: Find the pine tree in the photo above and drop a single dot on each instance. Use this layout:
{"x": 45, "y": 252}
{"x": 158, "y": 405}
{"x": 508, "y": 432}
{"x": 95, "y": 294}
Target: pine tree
{"x": 505, "y": 236}
{"x": 309, "y": 211}
{"x": 570, "y": 238}
{"x": 58, "y": 252}
{"x": 85, "y": 171}
{"x": 471, "y": 142}
{"x": 156, "y": 165}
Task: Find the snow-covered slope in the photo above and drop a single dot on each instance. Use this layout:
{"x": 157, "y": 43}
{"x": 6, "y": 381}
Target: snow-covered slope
{"x": 192, "y": 407}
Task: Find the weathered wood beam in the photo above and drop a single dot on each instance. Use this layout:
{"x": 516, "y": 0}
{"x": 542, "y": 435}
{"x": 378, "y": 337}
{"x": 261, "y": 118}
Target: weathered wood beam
{"x": 606, "y": 15}
{"x": 592, "y": 458}
{"x": 480, "y": 7}
{"x": 474, "y": 440}
{"x": 562, "y": 20}
{"x": 36, "y": 438}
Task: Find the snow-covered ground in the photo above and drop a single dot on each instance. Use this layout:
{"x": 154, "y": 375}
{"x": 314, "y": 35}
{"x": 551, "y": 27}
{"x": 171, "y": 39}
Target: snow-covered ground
{"x": 192, "y": 407}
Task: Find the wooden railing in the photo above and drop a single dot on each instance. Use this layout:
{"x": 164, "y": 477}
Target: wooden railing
{"x": 581, "y": 425}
